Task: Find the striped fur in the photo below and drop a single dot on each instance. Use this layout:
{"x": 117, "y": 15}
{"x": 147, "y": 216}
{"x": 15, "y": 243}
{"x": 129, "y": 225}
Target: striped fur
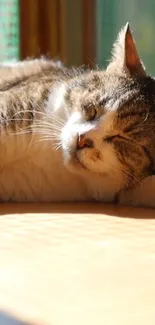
{"x": 78, "y": 135}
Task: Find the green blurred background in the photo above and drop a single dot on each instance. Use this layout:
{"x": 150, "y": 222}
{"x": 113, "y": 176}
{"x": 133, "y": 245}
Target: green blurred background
{"x": 79, "y": 31}
{"x": 113, "y": 14}
{"x": 9, "y": 30}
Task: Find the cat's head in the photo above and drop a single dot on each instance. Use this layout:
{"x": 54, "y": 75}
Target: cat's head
{"x": 110, "y": 129}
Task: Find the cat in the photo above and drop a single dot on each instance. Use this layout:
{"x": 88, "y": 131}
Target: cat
{"x": 78, "y": 134}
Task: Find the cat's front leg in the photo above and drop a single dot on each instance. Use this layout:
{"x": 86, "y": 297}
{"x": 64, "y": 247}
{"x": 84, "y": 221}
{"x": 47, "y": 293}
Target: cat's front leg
{"x": 143, "y": 195}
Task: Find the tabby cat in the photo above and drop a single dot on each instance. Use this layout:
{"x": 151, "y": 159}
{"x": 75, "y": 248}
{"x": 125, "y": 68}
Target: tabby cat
{"x": 78, "y": 135}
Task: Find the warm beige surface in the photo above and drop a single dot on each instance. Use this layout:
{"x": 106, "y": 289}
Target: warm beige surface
{"x": 89, "y": 265}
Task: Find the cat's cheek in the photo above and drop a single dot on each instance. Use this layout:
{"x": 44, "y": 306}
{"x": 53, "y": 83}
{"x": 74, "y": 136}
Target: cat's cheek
{"x": 99, "y": 161}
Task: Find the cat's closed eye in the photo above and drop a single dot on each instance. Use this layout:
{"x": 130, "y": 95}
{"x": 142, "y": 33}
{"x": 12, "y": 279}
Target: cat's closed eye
{"x": 90, "y": 112}
{"x": 110, "y": 139}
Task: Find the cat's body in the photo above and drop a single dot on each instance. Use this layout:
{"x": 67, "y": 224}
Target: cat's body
{"x": 67, "y": 135}
{"x": 31, "y": 169}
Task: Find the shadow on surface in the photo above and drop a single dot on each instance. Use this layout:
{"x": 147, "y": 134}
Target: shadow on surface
{"x": 6, "y": 319}
{"x": 77, "y": 208}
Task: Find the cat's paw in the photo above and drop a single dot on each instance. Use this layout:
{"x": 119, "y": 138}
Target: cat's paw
{"x": 143, "y": 195}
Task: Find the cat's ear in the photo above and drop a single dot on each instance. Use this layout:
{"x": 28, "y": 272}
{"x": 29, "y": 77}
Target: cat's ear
{"x": 125, "y": 55}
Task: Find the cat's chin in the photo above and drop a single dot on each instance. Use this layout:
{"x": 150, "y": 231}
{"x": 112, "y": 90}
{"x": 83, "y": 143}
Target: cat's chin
{"x": 74, "y": 164}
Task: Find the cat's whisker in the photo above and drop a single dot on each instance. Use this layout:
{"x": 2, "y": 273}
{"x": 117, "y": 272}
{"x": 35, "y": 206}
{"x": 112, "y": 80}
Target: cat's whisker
{"x": 36, "y": 112}
{"x": 47, "y": 139}
{"x": 43, "y": 122}
{"x": 41, "y": 125}
{"x": 50, "y": 136}
{"x": 120, "y": 169}
{"x": 39, "y": 132}
{"x": 127, "y": 174}
{"x": 47, "y": 133}
{"x": 58, "y": 147}
{"x": 48, "y": 123}
{"x": 131, "y": 179}
{"x": 36, "y": 128}
{"x": 51, "y": 126}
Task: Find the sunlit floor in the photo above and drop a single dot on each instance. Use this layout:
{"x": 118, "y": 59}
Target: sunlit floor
{"x": 76, "y": 265}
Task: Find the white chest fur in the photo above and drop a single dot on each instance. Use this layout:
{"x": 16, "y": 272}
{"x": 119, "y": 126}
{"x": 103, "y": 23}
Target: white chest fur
{"x": 31, "y": 170}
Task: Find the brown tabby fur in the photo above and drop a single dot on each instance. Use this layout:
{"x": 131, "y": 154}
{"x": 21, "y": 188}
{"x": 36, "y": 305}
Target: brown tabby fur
{"x": 124, "y": 94}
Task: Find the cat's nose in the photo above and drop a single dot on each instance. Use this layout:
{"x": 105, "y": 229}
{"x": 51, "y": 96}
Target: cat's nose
{"x": 84, "y": 142}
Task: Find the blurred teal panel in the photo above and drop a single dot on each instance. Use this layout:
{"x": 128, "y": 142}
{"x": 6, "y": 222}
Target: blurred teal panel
{"x": 113, "y": 14}
{"x": 9, "y": 30}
